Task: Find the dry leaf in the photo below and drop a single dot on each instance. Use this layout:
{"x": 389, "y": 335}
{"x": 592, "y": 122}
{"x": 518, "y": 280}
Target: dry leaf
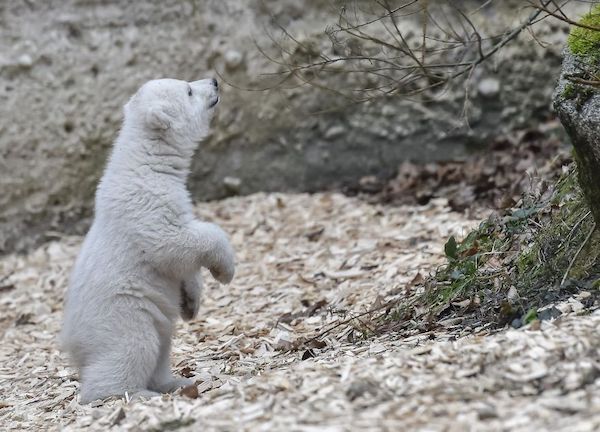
{"x": 187, "y": 372}
{"x": 418, "y": 279}
{"x": 190, "y": 391}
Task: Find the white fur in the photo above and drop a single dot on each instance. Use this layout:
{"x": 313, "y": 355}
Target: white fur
{"x": 138, "y": 269}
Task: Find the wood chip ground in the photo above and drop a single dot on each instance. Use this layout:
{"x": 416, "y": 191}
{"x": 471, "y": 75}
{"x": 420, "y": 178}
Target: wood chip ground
{"x": 305, "y": 262}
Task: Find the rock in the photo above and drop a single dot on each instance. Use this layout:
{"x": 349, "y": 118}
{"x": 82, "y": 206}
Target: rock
{"x": 576, "y": 305}
{"x": 489, "y": 87}
{"x": 388, "y": 110}
{"x": 548, "y": 313}
{"x": 334, "y": 131}
{"x": 362, "y": 387}
{"x": 232, "y": 184}
{"x": 486, "y": 412}
{"x": 578, "y": 107}
{"x": 233, "y": 59}
{"x": 25, "y": 61}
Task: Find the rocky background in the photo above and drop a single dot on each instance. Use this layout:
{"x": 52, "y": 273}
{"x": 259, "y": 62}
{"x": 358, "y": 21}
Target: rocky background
{"x": 67, "y": 67}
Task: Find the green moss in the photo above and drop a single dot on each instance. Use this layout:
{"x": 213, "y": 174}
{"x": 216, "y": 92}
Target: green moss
{"x": 569, "y": 92}
{"x": 580, "y": 94}
{"x": 585, "y": 42}
{"x": 583, "y": 95}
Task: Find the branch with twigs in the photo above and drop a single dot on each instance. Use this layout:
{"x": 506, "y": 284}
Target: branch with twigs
{"x": 373, "y": 47}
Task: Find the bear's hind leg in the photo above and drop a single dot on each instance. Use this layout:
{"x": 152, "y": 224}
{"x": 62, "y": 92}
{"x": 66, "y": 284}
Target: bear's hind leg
{"x": 163, "y": 380}
{"x": 127, "y": 366}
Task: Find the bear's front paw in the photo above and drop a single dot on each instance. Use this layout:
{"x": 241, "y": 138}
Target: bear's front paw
{"x": 217, "y": 254}
{"x": 224, "y": 267}
{"x": 224, "y": 273}
{"x": 223, "y": 276}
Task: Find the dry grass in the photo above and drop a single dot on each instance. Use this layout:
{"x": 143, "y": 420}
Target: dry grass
{"x": 305, "y": 263}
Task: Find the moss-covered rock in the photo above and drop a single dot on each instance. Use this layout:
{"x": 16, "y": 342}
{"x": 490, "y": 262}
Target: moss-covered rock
{"x": 577, "y": 102}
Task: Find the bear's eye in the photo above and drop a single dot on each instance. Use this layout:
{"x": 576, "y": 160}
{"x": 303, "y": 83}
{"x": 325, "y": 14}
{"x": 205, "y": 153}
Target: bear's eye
{"x": 190, "y": 91}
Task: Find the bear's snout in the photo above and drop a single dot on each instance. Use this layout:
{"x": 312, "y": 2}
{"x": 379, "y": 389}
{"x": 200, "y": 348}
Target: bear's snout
{"x": 215, "y": 83}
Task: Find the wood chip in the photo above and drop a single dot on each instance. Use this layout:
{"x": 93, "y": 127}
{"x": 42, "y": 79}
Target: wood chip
{"x": 319, "y": 259}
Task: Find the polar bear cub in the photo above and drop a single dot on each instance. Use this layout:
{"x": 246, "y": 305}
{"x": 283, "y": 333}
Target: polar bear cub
{"x": 138, "y": 269}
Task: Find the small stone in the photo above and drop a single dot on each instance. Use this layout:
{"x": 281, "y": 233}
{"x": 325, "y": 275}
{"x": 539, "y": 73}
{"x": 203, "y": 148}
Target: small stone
{"x": 576, "y": 305}
{"x": 334, "y": 131}
{"x": 232, "y": 184}
{"x": 233, "y": 59}
{"x": 547, "y": 313}
{"x": 583, "y": 295}
{"x": 362, "y": 387}
{"x": 25, "y": 61}
{"x": 388, "y": 110}
{"x": 564, "y": 308}
{"x": 489, "y": 87}
{"x": 41, "y": 310}
{"x": 486, "y": 412}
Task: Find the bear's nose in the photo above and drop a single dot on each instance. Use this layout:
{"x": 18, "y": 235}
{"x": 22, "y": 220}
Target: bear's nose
{"x": 215, "y": 83}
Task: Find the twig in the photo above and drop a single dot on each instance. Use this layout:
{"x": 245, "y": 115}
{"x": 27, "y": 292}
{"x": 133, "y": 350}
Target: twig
{"x": 578, "y": 80}
{"x": 579, "y": 222}
{"x": 420, "y": 76}
{"x": 562, "y": 16}
{"x": 6, "y": 276}
{"x": 387, "y": 305}
{"x": 349, "y": 320}
{"x": 513, "y": 34}
{"x": 587, "y": 238}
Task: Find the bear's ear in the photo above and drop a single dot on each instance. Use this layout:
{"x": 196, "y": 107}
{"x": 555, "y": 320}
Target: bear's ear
{"x": 158, "y": 117}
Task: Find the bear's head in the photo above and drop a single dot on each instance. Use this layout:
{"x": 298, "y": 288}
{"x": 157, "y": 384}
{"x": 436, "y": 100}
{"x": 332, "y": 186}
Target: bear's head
{"x": 174, "y": 109}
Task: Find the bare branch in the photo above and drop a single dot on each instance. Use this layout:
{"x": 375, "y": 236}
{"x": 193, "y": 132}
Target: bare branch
{"x": 370, "y": 41}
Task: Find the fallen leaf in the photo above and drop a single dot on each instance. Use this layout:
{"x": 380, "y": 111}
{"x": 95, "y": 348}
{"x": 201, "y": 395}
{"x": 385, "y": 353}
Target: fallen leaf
{"x": 23, "y": 319}
{"x": 8, "y": 287}
{"x": 187, "y": 372}
{"x": 418, "y": 279}
{"x": 315, "y": 343}
{"x": 315, "y": 234}
{"x": 513, "y": 294}
{"x": 471, "y": 251}
{"x": 462, "y": 304}
{"x": 190, "y": 391}
{"x": 315, "y": 307}
{"x": 309, "y": 353}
